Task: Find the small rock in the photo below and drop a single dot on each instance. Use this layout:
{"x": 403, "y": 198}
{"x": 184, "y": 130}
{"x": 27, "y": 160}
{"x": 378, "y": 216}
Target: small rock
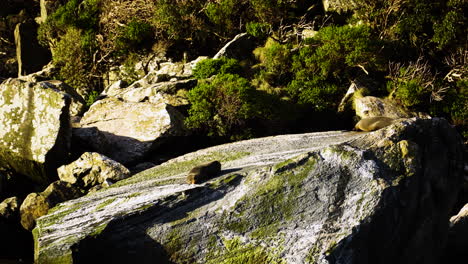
{"x": 36, "y": 205}
{"x": 93, "y": 169}
{"x": 9, "y": 208}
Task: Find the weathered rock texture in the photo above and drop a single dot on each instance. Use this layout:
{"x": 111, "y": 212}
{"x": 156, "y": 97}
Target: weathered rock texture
{"x": 333, "y": 197}
{"x": 34, "y": 128}
{"x": 38, "y": 204}
{"x": 339, "y": 5}
{"x": 370, "y": 106}
{"x": 170, "y": 92}
{"x": 93, "y": 169}
{"x": 133, "y": 129}
{"x": 9, "y": 208}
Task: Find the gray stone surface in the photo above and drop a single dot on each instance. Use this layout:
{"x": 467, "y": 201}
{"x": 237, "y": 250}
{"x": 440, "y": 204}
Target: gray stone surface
{"x": 38, "y": 204}
{"x": 133, "y": 129}
{"x": 34, "y": 128}
{"x": 330, "y": 197}
{"x": 93, "y": 169}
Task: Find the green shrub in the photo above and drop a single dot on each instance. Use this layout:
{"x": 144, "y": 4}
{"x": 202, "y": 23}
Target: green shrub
{"x": 275, "y": 58}
{"x": 411, "y": 94}
{"x": 74, "y": 61}
{"x": 258, "y": 30}
{"x": 223, "y": 106}
{"x": 209, "y": 67}
{"x": 91, "y": 98}
{"x": 411, "y": 85}
{"x": 223, "y": 15}
{"x": 179, "y": 20}
{"x": 134, "y": 35}
{"x": 451, "y": 31}
{"x": 323, "y": 68}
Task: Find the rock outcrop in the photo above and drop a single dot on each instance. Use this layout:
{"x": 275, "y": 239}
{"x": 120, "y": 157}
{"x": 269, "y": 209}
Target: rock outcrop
{"x": 331, "y": 197}
{"x": 170, "y": 92}
{"x": 93, "y": 170}
{"x": 370, "y": 106}
{"x": 38, "y": 204}
{"x": 34, "y": 128}
{"x": 133, "y": 129}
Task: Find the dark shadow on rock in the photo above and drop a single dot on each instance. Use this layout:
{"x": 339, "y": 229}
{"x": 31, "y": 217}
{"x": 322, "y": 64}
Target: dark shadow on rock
{"x": 15, "y": 242}
{"x": 125, "y": 239}
{"x": 91, "y": 139}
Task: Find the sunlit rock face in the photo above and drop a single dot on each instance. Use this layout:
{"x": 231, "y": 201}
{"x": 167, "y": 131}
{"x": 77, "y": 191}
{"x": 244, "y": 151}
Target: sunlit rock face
{"x": 34, "y": 129}
{"x": 330, "y": 197}
{"x": 133, "y": 129}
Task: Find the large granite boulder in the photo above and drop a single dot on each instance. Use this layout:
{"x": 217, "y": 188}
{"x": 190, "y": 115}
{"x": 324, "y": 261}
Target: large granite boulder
{"x": 38, "y": 204}
{"x": 133, "y": 129}
{"x": 93, "y": 170}
{"x": 34, "y": 128}
{"x": 78, "y": 104}
{"x": 330, "y": 197}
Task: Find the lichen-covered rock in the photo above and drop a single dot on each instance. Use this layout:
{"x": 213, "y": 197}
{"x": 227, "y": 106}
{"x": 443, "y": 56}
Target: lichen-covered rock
{"x": 133, "y": 129}
{"x": 370, "y": 106}
{"x": 339, "y": 5}
{"x": 38, "y": 204}
{"x": 9, "y": 208}
{"x": 171, "y": 92}
{"x": 93, "y": 169}
{"x": 34, "y": 128}
{"x": 78, "y": 104}
{"x": 332, "y": 197}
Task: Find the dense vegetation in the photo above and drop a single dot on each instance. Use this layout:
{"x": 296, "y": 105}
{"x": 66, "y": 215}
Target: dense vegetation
{"x": 412, "y": 51}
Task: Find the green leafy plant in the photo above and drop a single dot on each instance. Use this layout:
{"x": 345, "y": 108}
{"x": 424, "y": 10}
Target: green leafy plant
{"x": 322, "y": 69}
{"x": 411, "y": 85}
{"x": 209, "y": 67}
{"x": 134, "y": 35}
{"x": 258, "y": 30}
{"x": 91, "y": 98}
{"x": 223, "y": 106}
{"x": 73, "y": 61}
